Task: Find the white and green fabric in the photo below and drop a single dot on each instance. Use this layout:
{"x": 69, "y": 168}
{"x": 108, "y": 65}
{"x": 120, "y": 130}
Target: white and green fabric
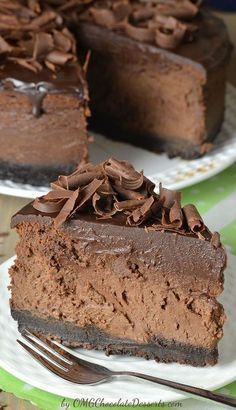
{"x": 216, "y": 200}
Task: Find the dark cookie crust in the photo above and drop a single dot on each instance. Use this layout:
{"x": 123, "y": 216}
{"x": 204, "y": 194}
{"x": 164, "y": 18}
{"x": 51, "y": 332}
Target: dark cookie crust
{"x": 173, "y": 148}
{"x": 31, "y": 174}
{"x": 92, "y": 338}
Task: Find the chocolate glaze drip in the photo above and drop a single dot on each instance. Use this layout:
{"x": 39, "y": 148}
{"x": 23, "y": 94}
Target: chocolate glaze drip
{"x": 38, "y": 91}
{"x": 115, "y": 187}
{"x": 166, "y": 23}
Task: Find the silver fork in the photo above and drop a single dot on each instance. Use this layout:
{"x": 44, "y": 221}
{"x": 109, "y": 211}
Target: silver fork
{"x": 59, "y": 361}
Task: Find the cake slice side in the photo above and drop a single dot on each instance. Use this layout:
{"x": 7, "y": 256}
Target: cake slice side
{"x": 98, "y": 278}
{"x": 104, "y": 292}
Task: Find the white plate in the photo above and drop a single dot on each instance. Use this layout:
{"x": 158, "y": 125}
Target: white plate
{"x": 174, "y": 173}
{"x": 16, "y": 361}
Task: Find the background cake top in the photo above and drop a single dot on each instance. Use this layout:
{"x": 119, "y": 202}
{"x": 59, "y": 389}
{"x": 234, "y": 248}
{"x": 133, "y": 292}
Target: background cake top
{"x": 114, "y": 187}
{"x": 165, "y": 23}
{"x": 33, "y": 34}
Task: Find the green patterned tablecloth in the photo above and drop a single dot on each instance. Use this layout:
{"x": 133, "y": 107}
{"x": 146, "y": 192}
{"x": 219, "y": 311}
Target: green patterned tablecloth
{"x": 216, "y": 199}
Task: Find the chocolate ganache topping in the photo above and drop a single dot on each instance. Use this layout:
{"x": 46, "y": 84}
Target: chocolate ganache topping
{"x": 165, "y": 23}
{"x": 114, "y": 187}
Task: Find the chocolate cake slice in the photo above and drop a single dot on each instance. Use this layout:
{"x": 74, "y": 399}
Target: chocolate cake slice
{"x": 43, "y": 95}
{"x": 104, "y": 262}
{"x": 157, "y": 73}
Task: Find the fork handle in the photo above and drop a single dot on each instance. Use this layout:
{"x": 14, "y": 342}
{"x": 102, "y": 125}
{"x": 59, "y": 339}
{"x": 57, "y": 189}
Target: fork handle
{"x": 206, "y": 394}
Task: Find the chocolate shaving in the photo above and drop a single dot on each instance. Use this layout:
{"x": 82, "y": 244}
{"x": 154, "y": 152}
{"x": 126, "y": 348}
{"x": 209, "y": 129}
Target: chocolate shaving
{"x": 128, "y": 204}
{"x": 4, "y": 46}
{"x": 103, "y": 206}
{"x": 78, "y": 180}
{"x": 193, "y": 218}
{"x": 161, "y": 22}
{"x": 169, "y": 32}
{"x": 176, "y": 215}
{"x": 215, "y": 240}
{"x": 67, "y": 209}
{"x": 43, "y": 45}
{"x": 101, "y": 190}
{"x": 168, "y": 196}
{"x": 139, "y": 215}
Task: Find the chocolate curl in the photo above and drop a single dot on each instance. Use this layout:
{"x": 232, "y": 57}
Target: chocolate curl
{"x": 67, "y": 209}
{"x": 43, "y": 45}
{"x": 52, "y": 202}
{"x": 106, "y": 189}
{"x": 141, "y": 15}
{"x": 77, "y": 5}
{"x": 29, "y": 64}
{"x": 78, "y": 179}
{"x": 215, "y": 240}
{"x": 170, "y": 32}
{"x": 62, "y": 41}
{"x": 103, "y": 17}
{"x": 141, "y": 214}
{"x": 4, "y": 46}
{"x": 121, "y": 9}
{"x": 87, "y": 193}
{"x": 128, "y": 194}
{"x": 103, "y": 206}
{"x": 87, "y": 61}
{"x": 171, "y": 211}
{"x": 129, "y": 204}
{"x": 43, "y": 20}
{"x": 59, "y": 57}
{"x": 176, "y": 215}
{"x": 34, "y": 6}
{"x": 138, "y": 33}
{"x": 182, "y": 9}
{"x": 123, "y": 172}
{"x": 193, "y": 218}
{"x": 168, "y": 196}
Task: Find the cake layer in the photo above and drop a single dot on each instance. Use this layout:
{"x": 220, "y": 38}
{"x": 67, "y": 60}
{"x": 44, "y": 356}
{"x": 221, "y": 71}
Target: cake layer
{"x": 158, "y": 99}
{"x": 91, "y": 337}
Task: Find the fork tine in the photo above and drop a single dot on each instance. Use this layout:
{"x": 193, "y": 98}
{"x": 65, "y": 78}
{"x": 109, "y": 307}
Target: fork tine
{"x": 60, "y": 349}
{"x": 60, "y": 371}
{"x": 44, "y": 351}
{"x": 46, "y": 345}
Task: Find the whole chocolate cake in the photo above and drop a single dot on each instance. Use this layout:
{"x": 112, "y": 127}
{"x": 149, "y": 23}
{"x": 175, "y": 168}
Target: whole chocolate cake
{"x": 156, "y": 76}
{"x": 157, "y": 73}
{"x": 43, "y": 94}
{"x": 106, "y": 263}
